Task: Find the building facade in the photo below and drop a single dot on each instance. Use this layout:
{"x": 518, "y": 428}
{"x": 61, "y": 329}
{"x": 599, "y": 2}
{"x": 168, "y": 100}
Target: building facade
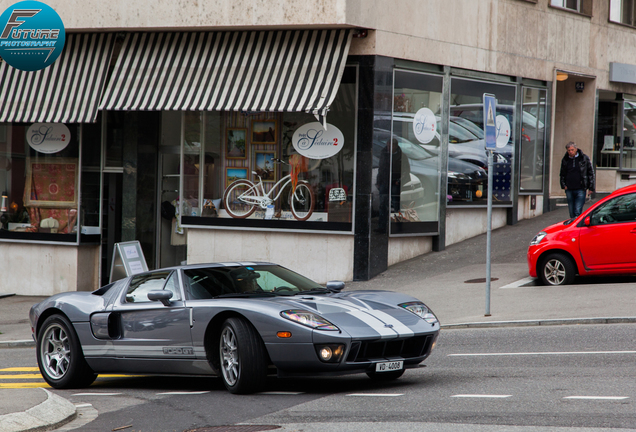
{"x": 360, "y": 122}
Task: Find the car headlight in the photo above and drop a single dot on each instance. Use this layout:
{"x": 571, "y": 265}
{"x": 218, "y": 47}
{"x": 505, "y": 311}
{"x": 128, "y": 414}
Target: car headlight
{"x": 308, "y": 319}
{"x": 537, "y": 239}
{"x": 421, "y": 310}
{"x": 331, "y": 353}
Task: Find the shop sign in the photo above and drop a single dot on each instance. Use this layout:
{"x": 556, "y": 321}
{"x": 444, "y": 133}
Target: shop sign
{"x": 315, "y": 142}
{"x": 32, "y": 35}
{"x": 424, "y": 125}
{"x": 503, "y": 131}
{"x": 48, "y": 137}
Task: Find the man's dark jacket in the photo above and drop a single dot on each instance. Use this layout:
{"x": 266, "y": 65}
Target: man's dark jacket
{"x": 585, "y": 165}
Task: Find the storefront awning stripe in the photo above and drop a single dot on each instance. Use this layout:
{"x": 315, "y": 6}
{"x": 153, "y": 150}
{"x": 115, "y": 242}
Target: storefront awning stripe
{"x": 287, "y": 70}
{"x": 68, "y": 91}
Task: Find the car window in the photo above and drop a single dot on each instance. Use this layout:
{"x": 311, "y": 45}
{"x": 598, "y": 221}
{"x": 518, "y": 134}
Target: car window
{"x": 210, "y": 282}
{"x": 619, "y": 209}
{"x": 141, "y": 285}
{"x": 173, "y": 285}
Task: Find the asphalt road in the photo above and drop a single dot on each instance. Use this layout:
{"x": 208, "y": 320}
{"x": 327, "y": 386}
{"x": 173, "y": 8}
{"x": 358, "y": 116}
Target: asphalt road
{"x": 535, "y": 378}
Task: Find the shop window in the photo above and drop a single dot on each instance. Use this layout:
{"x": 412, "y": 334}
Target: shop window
{"x": 623, "y": 12}
{"x": 242, "y": 169}
{"x": 583, "y": 7}
{"x": 608, "y": 134}
{"x": 39, "y": 179}
{"x": 406, "y": 161}
{"x": 467, "y": 157}
{"x": 533, "y": 140}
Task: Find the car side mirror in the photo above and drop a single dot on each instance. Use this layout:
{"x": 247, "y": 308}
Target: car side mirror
{"x": 587, "y": 221}
{"x": 163, "y": 296}
{"x": 335, "y": 286}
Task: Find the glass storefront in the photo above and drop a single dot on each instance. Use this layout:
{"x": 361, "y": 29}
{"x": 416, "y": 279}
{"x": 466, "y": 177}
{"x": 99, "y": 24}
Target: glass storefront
{"x": 467, "y": 157}
{"x": 533, "y": 140}
{"x": 243, "y": 169}
{"x": 40, "y": 183}
{"x": 616, "y": 131}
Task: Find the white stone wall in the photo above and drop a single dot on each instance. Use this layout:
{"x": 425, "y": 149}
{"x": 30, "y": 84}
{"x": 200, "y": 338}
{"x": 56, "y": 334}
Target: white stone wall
{"x": 405, "y": 248}
{"x": 321, "y": 257}
{"x": 43, "y": 270}
{"x": 464, "y": 223}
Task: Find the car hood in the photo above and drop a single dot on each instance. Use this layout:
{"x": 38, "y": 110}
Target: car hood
{"x": 557, "y": 227}
{"x": 370, "y": 314}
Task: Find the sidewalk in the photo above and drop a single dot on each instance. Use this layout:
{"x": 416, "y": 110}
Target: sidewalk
{"x": 448, "y": 282}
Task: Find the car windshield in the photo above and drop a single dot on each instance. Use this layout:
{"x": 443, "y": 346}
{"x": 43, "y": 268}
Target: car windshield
{"x": 246, "y": 281}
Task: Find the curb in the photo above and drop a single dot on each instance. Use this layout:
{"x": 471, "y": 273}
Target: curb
{"x": 54, "y": 412}
{"x": 541, "y": 322}
{"x": 17, "y": 344}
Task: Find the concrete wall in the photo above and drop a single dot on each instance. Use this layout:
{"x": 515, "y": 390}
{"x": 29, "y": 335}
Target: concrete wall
{"x": 43, "y": 270}
{"x": 321, "y": 257}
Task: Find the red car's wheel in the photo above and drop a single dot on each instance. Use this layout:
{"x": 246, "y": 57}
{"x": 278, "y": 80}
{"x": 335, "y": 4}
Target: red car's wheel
{"x": 556, "y": 269}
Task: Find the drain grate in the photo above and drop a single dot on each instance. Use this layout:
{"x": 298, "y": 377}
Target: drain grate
{"x": 480, "y": 280}
{"x": 235, "y": 428}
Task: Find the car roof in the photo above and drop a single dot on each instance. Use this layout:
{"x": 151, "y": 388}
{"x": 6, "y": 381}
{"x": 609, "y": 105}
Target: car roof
{"x": 217, "y": 264}
{"x": 625, "y": 189}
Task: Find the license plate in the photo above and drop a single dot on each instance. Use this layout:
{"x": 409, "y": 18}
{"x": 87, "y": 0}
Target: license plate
{"x": 389, "y": 366}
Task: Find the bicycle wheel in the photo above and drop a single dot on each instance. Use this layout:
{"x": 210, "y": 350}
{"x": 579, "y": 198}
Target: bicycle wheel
{"x": 234, "y": 205}
{"x": 302, "y": 201}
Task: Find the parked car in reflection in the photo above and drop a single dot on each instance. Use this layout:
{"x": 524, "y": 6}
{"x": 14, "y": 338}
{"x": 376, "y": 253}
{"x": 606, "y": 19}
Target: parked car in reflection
{"x": 466, "y": 181}
{"x": 598, "y": 242}
{"x": 237, "y": 321}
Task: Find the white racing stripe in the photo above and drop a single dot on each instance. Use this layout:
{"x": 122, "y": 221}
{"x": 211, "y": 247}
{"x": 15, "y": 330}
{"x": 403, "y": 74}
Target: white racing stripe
{"x": 539, "y": 353}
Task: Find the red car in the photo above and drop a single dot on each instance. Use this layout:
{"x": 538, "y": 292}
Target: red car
{"x": 600, "y": 241}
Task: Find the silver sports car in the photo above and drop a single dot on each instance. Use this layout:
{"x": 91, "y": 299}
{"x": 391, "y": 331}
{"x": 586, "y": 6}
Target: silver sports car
{"x": 239, "y": 321}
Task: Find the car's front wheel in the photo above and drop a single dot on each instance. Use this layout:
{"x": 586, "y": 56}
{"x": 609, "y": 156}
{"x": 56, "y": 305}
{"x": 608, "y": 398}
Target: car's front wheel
{"x": 556, "y": 269}
{"x": 60, "y": 357}
{"x": 243, "y": 358}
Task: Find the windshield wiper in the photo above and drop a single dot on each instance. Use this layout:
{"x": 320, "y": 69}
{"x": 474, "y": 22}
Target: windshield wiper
{"x": 318, "y": 290}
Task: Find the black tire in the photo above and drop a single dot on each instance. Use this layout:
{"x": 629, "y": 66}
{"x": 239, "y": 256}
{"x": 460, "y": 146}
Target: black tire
{"x": 556, "y": 269}
{"x": 60, "y": 356}
{"x": 233, "y": 206}
{"x": 302, "y": 201}
{"x": 385, "y": 376}
{"x": 242, "y": 356}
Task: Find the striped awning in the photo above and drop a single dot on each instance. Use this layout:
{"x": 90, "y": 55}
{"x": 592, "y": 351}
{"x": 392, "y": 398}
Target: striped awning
{"x": 68, "y": 91}
{"x": 287, "y": 70}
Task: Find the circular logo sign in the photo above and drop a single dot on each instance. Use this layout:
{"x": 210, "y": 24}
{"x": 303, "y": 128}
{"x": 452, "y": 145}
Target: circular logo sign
{"x": 503, "y": 131}
{"x": 424, "y": 125}
{"x": 31, "y": 35}
{"x": 48, "y": 137}
{"x": 314, "y": 142}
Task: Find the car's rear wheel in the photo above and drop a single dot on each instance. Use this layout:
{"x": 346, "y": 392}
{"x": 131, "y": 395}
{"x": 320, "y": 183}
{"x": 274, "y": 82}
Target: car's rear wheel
{"x": 385, "y": 376}
{"x": 243, "y": 358}
{"x": 60, "y": 357}
{"x": 556, "y": 269}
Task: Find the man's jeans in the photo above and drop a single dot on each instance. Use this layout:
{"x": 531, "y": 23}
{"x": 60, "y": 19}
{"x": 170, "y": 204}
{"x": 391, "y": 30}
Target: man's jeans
{"x": 576, "y": 199}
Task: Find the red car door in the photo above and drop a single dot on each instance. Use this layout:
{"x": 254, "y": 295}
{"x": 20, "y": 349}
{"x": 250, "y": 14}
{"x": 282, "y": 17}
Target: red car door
{"x": 609, "y": 242}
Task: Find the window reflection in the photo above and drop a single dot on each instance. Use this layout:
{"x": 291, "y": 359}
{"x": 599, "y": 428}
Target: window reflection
{"x": 533, "y": 139}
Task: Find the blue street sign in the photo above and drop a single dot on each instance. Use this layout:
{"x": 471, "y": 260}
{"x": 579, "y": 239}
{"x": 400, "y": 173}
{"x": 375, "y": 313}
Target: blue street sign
{"x": 490, "y": 122}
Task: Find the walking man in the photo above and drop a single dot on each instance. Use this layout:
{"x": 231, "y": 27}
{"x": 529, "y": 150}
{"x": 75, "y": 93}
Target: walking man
{"x": 577, "y": 178}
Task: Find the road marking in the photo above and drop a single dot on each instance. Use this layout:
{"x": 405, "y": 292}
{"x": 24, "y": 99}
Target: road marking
{"x": 184, "y": 393}
{"x": 485, "y": 396}
{"x": 96, "y": 394}
{"x": 83, "y": 405}
{"x": 20, "y": 369}
{"x": 597, "y": 397}
{"x": 376, "y": 394}
{"x": 24, "y": 385}
{"x": 281, "y": 393}
{"x": 540, "y": 353}
{"x": 21, "y": 376}
{"x": 521, "y": 283}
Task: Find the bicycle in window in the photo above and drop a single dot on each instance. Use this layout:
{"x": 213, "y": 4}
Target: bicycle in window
{"x": 242, "y": 197}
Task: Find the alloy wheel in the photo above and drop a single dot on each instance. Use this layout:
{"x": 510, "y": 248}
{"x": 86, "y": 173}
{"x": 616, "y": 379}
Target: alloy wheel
{"x": 56, "y": 352}
{"x": 554, "y": 272}
{"x": 230, "y": 357}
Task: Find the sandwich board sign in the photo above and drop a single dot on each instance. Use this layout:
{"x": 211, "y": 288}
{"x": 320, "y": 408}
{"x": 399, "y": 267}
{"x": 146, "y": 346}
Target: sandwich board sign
{"x": 128, "y": 259}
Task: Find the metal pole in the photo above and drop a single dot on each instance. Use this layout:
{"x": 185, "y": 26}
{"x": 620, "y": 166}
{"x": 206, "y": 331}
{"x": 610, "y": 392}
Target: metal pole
{"x": 489, "y": 232}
